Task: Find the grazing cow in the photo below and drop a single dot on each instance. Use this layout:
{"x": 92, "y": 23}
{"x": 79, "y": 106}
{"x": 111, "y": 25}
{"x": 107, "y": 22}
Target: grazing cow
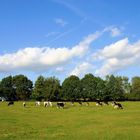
{"x": 98, "y": 103}
{"x": 60, "y": 105}
{"x": 118, "y": 106}
{"x": 24, "y": 104}
{"x": 37, "y": 103}
{"x": 80, "y": 103}
{"x": 105, "y": 103}
{"x": 113, "y": 103}
{"x": 10, "y": 103}
{"x": 48, "y": 103}
{"x": 45, "y": 104}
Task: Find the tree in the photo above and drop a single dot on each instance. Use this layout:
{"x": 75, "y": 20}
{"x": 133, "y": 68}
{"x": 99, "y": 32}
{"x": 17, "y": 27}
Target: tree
{"x": 70, "y": 88}
{"x": 126, "y": 85}
{"x": 135, "y": 93}
{"x": 22, "y": 86}
{"x": 1, "y": 93}
{"x": 39, "y": 89}
{"x": 100, "y": 93}
{"x": 52, "y": 88}
{"x": 7, "y": 90}
{"x": 89, "y": 87}
{"x": 114, "y": 88}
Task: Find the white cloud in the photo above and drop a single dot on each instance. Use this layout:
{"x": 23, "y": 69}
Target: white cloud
{"x": 60, "y": 22}
{"x": 117, "y": 56}
{"x": 82, "y": 69}
{"x": 40, "y": 59}
{"x": 114, "y": 31}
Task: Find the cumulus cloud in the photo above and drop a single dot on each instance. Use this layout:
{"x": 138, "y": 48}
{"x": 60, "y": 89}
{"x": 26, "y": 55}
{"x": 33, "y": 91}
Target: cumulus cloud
{"x": 82, "y": 69}
{"x": 117, "y": 56}
{"x": 36, "y": 59}
{"x": 60, "y": 22}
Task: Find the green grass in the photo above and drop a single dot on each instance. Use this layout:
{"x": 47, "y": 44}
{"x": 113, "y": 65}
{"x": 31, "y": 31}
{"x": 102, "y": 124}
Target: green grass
{"x": 72, "y": 123}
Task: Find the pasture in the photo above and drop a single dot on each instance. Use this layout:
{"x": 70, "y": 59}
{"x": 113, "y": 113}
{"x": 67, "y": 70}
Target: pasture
{"x": 72, "y": 123}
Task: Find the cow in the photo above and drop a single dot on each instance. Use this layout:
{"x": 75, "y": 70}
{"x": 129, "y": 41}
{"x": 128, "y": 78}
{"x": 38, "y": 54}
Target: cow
{"x": 117, "y": 105}
{"x": 98, "y": 103}
{"x": 10, "y": 103}
{"x": 105, "y": 103}
{"x": 120, "y": 105}
{"x": 48, "y": 103}
{"x": 113, "y": 103}
{"x": 60, "y": 105}
{"x": 80, "y": 103}
{"x": 24, "y": 104}
{"x": 37, "y": 103}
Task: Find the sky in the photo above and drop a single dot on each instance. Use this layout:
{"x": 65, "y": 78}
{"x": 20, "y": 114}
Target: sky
{"x": 69, "y": 37}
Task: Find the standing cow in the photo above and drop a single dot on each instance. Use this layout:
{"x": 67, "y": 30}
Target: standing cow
{"x": 37, "y": 103}
{"x": 48, "y": 103}
{"x": 60, "y": 105}
{"x": 118, "y": 106}
{"x": 24, "y": 104}
{"x": 98, "y": 103}
{"x": 10, "y": 103}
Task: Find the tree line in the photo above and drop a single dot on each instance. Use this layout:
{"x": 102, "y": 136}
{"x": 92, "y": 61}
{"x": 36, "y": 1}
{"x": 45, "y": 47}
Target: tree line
{"x": 89, "y": 88}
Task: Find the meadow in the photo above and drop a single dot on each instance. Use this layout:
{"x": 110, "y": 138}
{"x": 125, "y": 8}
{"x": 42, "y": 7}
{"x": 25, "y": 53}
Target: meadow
{"x": 72, "y": 123}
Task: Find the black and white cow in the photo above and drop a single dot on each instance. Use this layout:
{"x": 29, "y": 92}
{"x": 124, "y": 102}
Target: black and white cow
{"x": 60, "y": 105}
{"x": 37, "y": 103}
{"x": 24, "y": 104}
{"x": 98, "y": 103}
{"x": 10, "y": 103}
{"x": 48, "y": 103}
{"x": 117, "y": 105}
{"x": 80, "y": 103}
{"x": 105, "y": 102}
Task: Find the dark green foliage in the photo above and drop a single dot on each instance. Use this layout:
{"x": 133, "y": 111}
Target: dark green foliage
{"x": 114, "y": 86}
{"x": 52, "y": 88}
{"x": 6, "y": 87}
{"x": 46, "y": 88}
{"x": 22, "y": 86}
{"x": 39, "y": 89}
{"x": 101, "y": 91}
{"x": 135, "y": 92}
{"x": 89, "y": 87}
{"x": 70, "y": 88}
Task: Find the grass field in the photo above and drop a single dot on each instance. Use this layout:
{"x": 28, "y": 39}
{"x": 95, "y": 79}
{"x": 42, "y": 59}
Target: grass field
{"x": 71, "y": 123}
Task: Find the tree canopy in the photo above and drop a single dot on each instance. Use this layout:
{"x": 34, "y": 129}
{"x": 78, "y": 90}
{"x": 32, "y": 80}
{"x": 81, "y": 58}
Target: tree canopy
{"x": 90, "y": 87}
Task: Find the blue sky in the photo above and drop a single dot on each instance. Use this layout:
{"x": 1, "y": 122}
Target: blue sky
{"x": 69, "y": 37}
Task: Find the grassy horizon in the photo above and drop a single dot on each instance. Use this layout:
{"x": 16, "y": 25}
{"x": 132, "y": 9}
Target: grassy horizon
{"x": 74, "y": 122}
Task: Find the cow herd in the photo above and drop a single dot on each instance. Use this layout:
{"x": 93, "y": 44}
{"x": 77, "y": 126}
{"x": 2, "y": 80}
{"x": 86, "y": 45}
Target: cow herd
{"x": 114, "y": 104}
